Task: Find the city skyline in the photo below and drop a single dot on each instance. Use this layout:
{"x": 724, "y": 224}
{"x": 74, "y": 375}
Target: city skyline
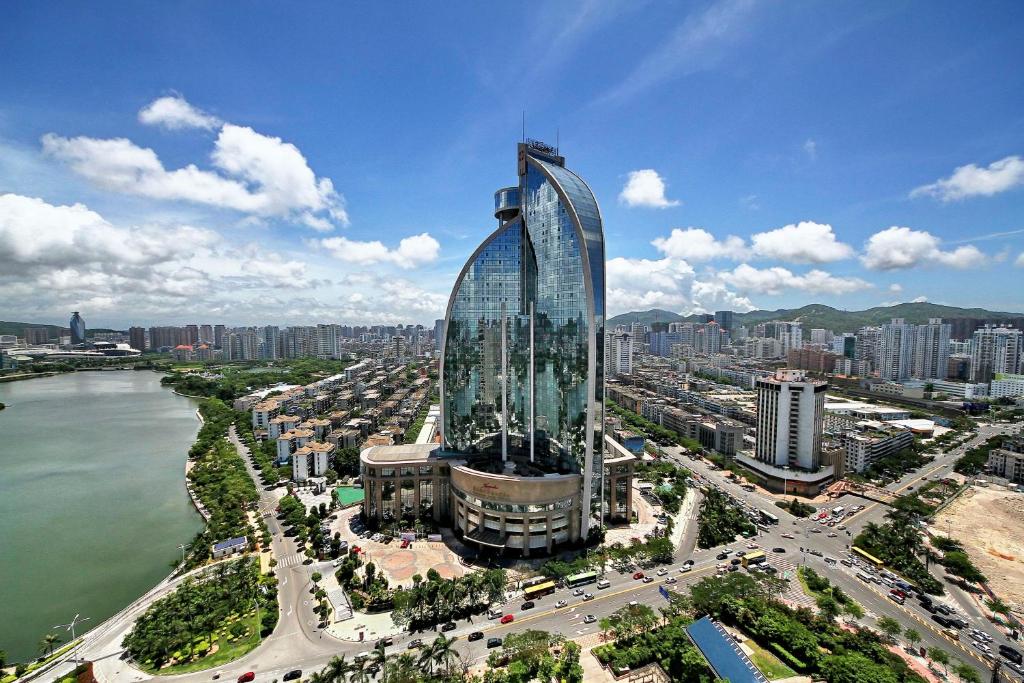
{"x": 174, "y": 194}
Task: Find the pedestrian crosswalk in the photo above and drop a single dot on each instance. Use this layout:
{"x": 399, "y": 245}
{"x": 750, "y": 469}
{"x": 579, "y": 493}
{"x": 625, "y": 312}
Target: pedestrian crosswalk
{"x": 291, "y": 560}
{"x": 794, "y": 594}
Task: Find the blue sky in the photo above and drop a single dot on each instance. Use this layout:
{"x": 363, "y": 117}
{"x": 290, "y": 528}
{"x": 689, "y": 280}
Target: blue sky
{"x": 197, "y": 162}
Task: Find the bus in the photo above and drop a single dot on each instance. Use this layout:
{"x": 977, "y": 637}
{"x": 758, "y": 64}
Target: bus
{"x": 537, "y": 590}
{"x": 580, "y": 579}
{"x": 767, "y": 517}
{"x": 533, "y": 581}
{"x": 756, "y": 557}
{"x": 868, "y": 557}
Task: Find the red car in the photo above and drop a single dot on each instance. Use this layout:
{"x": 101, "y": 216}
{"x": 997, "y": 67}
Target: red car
{"x": 246, "y": 677}
{"x": 507, "y": 619}
{"x": 405, "y": 543}
{"x": 638, "y": 575}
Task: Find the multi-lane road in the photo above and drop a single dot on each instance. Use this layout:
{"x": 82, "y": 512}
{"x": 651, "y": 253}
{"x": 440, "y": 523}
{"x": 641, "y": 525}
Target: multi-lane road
{"x": 297, "y": 643}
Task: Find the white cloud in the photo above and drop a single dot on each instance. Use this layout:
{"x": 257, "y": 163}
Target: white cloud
{"x": 895, "y": 288}
{"x": 1020, "y": 260}
{"x": 646, "y": 188}
{"x": 775, "y": 280}
{"x": 669, "y": 283}
{"x": 973, "y": 181}
{"x": 811, "y": 149}
{"x": 804, "y": 242}
{"x": 411, "y": 251}
{"x": 919, "y": 300}
{"x": 697, "y": 244}
{"x": 260, "y": 175}
{"x": 897, "y": 248}
{"x": 175, "y": 113}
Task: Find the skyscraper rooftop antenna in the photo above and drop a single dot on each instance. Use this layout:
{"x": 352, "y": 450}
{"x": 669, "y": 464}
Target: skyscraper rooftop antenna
{"x": 524, "y": 126}
{"x": 558, "y": 134}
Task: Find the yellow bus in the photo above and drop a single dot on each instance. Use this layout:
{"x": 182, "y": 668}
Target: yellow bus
{"x": 540, "y": 589}
{"x": 755, "y": 557}
{"x": 868, "y": 557}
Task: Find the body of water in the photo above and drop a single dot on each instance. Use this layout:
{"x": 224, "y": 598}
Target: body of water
{"x": 92, "y": 498}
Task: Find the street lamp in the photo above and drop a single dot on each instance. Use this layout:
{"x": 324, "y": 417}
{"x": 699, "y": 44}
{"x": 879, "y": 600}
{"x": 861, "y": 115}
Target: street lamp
{"x": 71, "y": 627}
{"x": 181, "y": 546}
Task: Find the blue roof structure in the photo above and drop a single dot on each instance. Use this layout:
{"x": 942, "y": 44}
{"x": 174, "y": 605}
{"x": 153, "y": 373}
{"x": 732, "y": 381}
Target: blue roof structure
{"x": 723, "y": 653}
{"x": 230, "y": 543}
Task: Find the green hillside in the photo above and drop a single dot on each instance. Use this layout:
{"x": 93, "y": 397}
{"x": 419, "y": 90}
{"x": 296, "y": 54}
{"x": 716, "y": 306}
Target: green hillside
{"x": 826, "y": 317}
{"x": 18, "y": 329}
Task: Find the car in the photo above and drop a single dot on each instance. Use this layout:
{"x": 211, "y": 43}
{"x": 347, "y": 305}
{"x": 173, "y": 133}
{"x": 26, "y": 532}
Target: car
{"x": 507, "y": 619}
{"x": 590, "y": 596}
{"x": 740, "y": 553}
{"x": 493, "y": 642}
{"x": 292, "y": 675}
{"x": 414, "y": 644}
{"x": 633, "y": 603}
{"x": 815, "y": 530}
{"x": 475, "y": 635}
{"x": 450, "y": 626}
{"x": 561, "y": 603}
{"x": 385, "y": 642}
{"x": 578, "y": 591}
{"x": 527, "y": 605}
{"x": 779, "y": 549}
{"x": 896, "y": 598}
{"x": 734, "y": 568}
{"x": 336, "y": 563}
{"x": 981, "y": 646}
{"x": 832, "y": 534}
{"x": 735, "y": 561}
{"x": 789, "y": 536}
{"x": 721, "y": 556}
{"x": 940, "y": 620}
{"x": 662, "y": 571}
{"x": 671, "y": 580}
{"x": 247, "y": 676}
{"x": 638, "y": 575}
{"x": 685, "y": 568}
{"x": 589, "y": 619}
{"x": 752, "y": 546}
{"x": 841, "y": 527}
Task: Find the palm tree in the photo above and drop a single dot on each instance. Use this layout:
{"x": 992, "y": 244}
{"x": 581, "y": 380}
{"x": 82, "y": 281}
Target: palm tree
{"x": 379, "y": 658}
{"x": 443, "y": 652}
{"x": 402, "y": 669}
{"x": 358, "y": 673}
{"x": 47, "y": 643}
{"x": 336, "y": 670}
{"x": 426, "y": 658}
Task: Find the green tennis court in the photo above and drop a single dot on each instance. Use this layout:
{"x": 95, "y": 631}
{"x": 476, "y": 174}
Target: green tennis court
{"x": 347, "y": 495}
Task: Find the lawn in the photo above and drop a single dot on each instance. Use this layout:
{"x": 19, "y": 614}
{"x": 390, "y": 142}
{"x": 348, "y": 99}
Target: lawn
{"x": 228, "y": 649}
{"x": 768, "y": 663}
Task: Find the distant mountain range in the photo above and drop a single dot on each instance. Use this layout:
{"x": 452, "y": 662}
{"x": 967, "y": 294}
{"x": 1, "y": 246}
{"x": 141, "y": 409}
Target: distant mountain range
{"x": 826, "y": 317}
{"x": 18, "y": 329}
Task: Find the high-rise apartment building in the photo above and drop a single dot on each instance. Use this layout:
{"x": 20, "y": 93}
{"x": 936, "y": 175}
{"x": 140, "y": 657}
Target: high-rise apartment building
{"x": 242, "y": 344}
{"x": 896, "y": 350}
{"x": 35, "y": 336}
{"x": 206, "y": 334}
{"x": 191, "y": 335}
{"x": 996, "y": 350}
{"x": 269, "y": 342}
{"x": 619, "y": 354}
{"x": 219, "y": 332}
{"x": 931, "y": 350}
{"x": 821, "y": 337}
{"x": 521, "y": 463}
{"x": 790, "y": 420}
{"x": 137, "y": 338}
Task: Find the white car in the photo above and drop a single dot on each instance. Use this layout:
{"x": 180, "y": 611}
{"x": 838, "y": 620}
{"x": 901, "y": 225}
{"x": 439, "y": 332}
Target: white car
{"x": 578, "y": 591}
{"x": 561, "y": 603}
{"x": 633, "y": 603}
{"x": 671, "y": 579}
{"x": 589, "y": 619}
{"x": 662, "y": 572}
{"x": 588, "y": 596}
{"x": 752, "y": 546}
{"x": 685, "y": 568}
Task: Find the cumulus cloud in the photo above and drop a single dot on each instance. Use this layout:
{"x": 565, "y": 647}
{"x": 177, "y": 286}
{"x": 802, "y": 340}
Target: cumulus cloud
{"x": 411, "y": 251}
{"x": 646, "y": 188}
{"x": 669, "y": 283}
{"x": 175, "y": 113}
{"x": 974, "y": 181}
{"x": 895, "y": 288}
{"x": 811, "y": 149}
{"x": 746, "y": 278}
{"x": 898, "y": 248}
{"x": 697, "y": 244}
{"x": 919, "y": 300}
{"x": 803, "y": 242}
{"x": 1020, "y": 260}
{"x": 257, "y": 174}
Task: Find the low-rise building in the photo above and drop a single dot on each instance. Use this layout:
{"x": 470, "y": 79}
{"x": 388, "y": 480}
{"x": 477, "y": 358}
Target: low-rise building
{"x": 863, "y": 448}
{"x": 291, "y": 441}
{"x": 312, "y": 460}
{"x": 232, "y": 546}
{"x": 1008, "y": 460}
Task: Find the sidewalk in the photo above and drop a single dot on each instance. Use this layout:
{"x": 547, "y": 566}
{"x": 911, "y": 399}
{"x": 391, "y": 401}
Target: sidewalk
{"x": 371, "y": 626}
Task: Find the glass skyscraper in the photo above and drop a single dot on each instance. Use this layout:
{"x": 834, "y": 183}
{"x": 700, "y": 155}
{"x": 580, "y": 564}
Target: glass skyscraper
{"x": 77, "y": 326}
{"x": 522, "y": 377}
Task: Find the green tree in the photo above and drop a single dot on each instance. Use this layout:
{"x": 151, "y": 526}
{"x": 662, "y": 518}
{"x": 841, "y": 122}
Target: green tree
{"x": 854, "y": 667}
{"x": 828, "y": 606}
{"x": 47, "y": 643}
{"x": 890, "y": 627}
{"x": 854, "y": 609}
{"x": 912, "y": 636}
{"x": 939, "y": 656}
{"x": 966, "y": 673}
{"x": 998, "y": 606}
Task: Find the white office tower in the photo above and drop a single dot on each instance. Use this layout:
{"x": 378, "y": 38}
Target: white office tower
{"x": 790, "y": 335}
{"x": 896, "y": 350}
{"x": 996, "y": 350}
{"x": 931, "y": 350}
{"x": 619, "y": 354}
{"x": 790, "y": 419}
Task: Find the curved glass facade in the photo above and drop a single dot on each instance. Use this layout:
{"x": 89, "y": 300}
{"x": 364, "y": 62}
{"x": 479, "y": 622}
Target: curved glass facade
{"x": 522, "y": 367}
{"x": 77, "y": 326}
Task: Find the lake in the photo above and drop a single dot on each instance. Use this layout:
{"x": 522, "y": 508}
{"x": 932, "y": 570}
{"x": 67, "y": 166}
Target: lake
{"x": 92, "y": 498}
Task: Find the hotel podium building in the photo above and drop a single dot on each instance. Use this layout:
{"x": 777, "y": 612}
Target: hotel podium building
{"x": 520, "y": 464}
